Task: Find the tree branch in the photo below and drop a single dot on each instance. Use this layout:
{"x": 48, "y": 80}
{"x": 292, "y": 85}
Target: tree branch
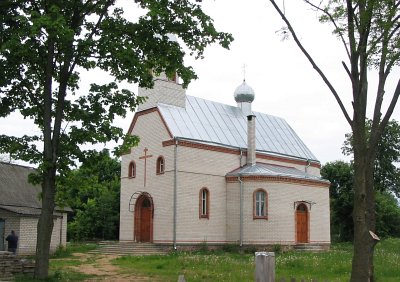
{"x": 347, "y": 71}
{"x": 325, "y": 79}
{"x": 391, "y": 107}
{"x": 334, "y": 23}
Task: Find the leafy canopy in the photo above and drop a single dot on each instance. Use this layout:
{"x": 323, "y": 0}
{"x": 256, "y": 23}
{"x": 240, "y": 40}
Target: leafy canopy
{"x": 45, "y": 45}
{"x": 386, "y": 171}
{"x": 341, "y": 175}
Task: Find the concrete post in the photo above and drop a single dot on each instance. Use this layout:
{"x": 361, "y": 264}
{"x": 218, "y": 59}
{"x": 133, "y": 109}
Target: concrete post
{"x": 265, "y": 267}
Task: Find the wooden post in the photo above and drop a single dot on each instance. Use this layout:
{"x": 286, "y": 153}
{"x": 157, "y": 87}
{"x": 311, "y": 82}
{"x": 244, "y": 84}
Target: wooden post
{"x": 265, "y": 267}
{"x": 181, "y": 278}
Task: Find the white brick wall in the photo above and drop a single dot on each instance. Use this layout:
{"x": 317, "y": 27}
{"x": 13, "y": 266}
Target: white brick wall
{"x": 164, "y": 91}
{"x": 11, "y": 222}
{"x": 26, "y": 229}
{"x": 152, "y": 132}
{"x": 198, "y": 168}
{"x": 280, "y": 225}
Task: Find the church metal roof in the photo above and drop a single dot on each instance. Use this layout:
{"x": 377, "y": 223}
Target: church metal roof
{"x": 216, "y": 123}
{"x": 262, "y": 169}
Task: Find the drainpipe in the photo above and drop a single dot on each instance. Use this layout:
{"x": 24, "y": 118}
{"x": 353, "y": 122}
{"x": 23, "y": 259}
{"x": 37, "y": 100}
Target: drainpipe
{"x": 241, "y": 156}
{"x": 251, "y": 140}
{"x": 175, "y": 187}
{"x": 241, "y": 211}
{"x": 308, "y": 163}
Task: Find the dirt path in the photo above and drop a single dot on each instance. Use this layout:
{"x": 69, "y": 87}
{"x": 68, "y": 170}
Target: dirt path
{"x": 101, "y": 266}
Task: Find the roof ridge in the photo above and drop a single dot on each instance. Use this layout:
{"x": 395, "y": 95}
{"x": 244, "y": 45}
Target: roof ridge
{"x": 19, "y": 165}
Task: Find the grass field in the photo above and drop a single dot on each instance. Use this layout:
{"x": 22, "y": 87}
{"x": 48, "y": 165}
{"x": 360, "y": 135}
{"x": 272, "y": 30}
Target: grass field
{"x": 334, "y": 265}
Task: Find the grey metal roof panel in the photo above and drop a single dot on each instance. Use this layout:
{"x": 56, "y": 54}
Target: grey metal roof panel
{"x": 218, "y": 123}
{"x": 29, "y": 211}
{"x": 263, "y": 169}
{"x": 22, "y": 210}
{"x": 16, "y": 192}
{"x": 15, "y": 189}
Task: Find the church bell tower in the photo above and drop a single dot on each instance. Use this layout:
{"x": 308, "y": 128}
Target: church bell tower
{"x": 166, "y": 90}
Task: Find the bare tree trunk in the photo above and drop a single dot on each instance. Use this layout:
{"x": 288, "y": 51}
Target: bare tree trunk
{"x": 45, "y": 226}
{"x": 361, "y": 251}
{"x": 364, "y": 207}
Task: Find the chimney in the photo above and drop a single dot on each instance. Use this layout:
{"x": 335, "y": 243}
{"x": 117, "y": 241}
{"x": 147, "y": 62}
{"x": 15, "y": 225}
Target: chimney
{"x": 251, "y": 140}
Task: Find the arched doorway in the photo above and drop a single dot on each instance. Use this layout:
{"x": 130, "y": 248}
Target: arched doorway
{"x": 302, "y": 223}
{"x": 144, "y": 219}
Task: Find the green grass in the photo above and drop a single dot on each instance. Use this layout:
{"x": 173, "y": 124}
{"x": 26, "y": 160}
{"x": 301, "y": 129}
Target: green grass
{"x": 61, "y": 260}
{"x": 65, "y": 252}
{"x": 217, "y": 266}
{"x": 58, "y": 275}
{"x": 334, "y": 265}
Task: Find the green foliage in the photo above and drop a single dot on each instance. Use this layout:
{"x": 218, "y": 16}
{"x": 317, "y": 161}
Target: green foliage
{"x": 386, "y": 174}
{"x": 92, "y": 191}
{"x": 277, "y": 248}
{"x": 341, "y": 174}
{"x": 387, "y": 215}
{"x": 231, "y": 248}
{"x": 380, "y": 16}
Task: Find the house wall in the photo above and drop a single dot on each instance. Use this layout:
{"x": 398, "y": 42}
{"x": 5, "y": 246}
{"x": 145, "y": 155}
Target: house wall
{"x": 152, "y": 132}
{"x": 280, "y": 227}
{"x": 11, "y": 223}
{"x": 26, "y": 229}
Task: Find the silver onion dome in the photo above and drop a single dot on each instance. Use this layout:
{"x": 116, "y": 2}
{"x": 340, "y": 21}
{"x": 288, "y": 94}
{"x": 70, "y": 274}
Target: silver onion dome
{"x": 244, "y": 93}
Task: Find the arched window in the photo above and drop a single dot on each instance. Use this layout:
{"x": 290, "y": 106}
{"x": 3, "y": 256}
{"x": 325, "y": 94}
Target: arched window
{"x": 160, "y": 165}
{"x": 204, "y": 203}
{"x": 132, "y": 170}
{"x": 260, "y": 199}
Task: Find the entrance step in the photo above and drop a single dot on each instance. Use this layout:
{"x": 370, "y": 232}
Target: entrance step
{"x": 311, "y": 247}
{"x": 130, "y": 248}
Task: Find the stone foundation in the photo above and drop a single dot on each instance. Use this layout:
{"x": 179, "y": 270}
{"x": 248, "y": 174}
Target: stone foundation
{"x": 11, "y": 265}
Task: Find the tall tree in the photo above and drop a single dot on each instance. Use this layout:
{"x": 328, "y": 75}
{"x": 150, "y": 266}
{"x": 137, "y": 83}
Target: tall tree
{"x": 386, "y": 173}
{"x": 44, "y": 45}
{"x": 92, "y": 191}
{"x": 370, "y": 33}
{"x": 341, "y": 192}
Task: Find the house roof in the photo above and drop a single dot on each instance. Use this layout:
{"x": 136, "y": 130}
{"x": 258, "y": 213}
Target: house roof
{"x": 17, "y": 194}
{"x": 263, "y": 169}
{"x": 216, "y": 123}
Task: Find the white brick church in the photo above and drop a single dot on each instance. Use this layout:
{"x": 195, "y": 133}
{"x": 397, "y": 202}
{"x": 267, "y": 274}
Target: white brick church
{"x": 206, "y": 172}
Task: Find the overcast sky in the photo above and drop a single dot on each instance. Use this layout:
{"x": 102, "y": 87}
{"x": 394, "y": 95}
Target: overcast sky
{"x": 284, "y": 82}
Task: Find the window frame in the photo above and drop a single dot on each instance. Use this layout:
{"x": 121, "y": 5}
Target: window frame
{"x": 160, "y": 165}
{"x": 132, "y": 169}
{"x": 204, "y": 213}
{"x": 255, "y": 201}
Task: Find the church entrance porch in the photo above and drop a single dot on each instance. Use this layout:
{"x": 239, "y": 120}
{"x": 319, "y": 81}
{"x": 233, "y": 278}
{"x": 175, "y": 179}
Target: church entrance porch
{"x": 302, "y": 224}
{"x": 143, "y": 226}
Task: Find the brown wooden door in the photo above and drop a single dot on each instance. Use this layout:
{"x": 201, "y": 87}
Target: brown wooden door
{"x": 145, "y": 224}
{"x": 302, "y": 224}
